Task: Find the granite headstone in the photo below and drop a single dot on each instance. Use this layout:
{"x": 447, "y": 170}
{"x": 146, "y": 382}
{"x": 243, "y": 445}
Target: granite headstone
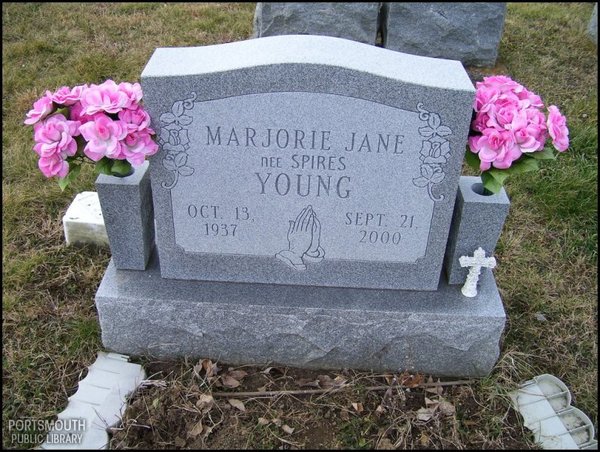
{"x": 288, "y": 164}
{"x": 356, "y": 21}
{"x": 305, "y": 160}
{"x": 468, "y": 32}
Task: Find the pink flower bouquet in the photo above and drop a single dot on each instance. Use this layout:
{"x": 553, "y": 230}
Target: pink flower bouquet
{"x": 509, "y": 131}
{"x": 104, "y": 124}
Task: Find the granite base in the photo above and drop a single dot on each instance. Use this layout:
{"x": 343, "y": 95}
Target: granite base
{"x": 441, "y": 333}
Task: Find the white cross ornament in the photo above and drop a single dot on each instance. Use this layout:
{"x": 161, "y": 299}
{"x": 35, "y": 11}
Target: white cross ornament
{"x": 476, "y": 262}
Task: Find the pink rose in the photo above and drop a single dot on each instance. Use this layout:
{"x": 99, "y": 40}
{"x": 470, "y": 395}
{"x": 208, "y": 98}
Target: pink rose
{"x": 41, "y": 108}
{"x": 503, "y": 84}
{"x": 103, "y": 136}
{"x": 557, "y": 128}
{"x": 501, "y": 116}
{"x": 67, "y": 96}
{"x": 484, "y": 96}
{"x": 137, "y": 145}
{"x": 528, "y": 135}
{"x": 530, "y": 99}
{"x": 53, "y": 165}
{"x": 133, "y": 93}
{"x": 54, "y": 136}
{"x": 494, "y": 148}
{"x": 135, "y": 120}
{"x": 76, "y": 113}
{"x": 106, "y": 97}
{"x": 509, "y": 153}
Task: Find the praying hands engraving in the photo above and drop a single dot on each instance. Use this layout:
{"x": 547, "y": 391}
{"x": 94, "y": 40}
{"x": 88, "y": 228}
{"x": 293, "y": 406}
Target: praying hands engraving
{"x": 304, "y": 240}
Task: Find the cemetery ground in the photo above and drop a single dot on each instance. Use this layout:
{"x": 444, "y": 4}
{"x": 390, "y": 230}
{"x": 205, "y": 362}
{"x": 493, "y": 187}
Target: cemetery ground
{"x": 546, "y": 273}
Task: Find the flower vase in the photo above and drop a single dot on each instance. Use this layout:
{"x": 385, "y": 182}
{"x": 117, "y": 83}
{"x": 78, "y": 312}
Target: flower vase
{"x": 477, "y": 222}
{"x": 128, "y": 213}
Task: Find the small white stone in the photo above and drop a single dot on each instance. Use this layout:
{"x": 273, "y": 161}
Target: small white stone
{"x": 100, "y": 400}
{"x": 83, "y": 222}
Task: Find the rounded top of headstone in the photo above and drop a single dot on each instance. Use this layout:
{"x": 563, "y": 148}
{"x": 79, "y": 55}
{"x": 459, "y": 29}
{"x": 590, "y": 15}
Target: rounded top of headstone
{"x": 311, "y": 50}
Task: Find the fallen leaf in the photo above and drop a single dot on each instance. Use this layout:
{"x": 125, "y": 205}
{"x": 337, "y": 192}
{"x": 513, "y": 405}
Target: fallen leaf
{"x": 385, "y": 444}
{"x": 429, "y": 402}
{"x": 358, "y": 407}
{"x": 263, "y": 421}
{"x": 237, "y": 404}
{"x": 424, "y": 439}
{"x": 205, "y": 403}
{"x": 286, "y": 428}
{"x": 446, "y": 408}
{"x": 209, "y": 367}
{"x": 268, "y": 370}
{"x": 195, "y": 431}
{"x": 433, "y": 389}
{"x": 303, "y": 382}
{"x": 425, "y": 414}
{"x": 237, "y": 374}
{"x": 229, "y": 382}
{"x": 409, "y": 380}
{"x": 180, "y": 442}
{"x": 339, "y": 381}
{"x": 325, "y": 381}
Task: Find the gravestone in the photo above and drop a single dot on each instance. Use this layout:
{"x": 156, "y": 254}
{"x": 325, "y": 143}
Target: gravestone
{"x": 303, "y": 197}
{"x": 355, "y": 21}
{"x": 468, "y": 32}
{"x": 305, "y": 160}
{"x": 593, "y": 25}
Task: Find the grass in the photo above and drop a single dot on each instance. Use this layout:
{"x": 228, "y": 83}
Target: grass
{"x": 547, "y": 254}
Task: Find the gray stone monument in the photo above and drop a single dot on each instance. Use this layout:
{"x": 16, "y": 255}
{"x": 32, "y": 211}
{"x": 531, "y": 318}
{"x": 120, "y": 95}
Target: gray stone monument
{"x": 303, "y": 196}
{"x": 355, "y": 21}
{"x": 593, "y": 25}
{"x": 468, "y": 32}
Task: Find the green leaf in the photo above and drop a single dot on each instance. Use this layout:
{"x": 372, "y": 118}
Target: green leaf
{"x": 490, "y": 183}
{"x": 70, "y": 177}
{"x": 121, "y": 168}
{"x": 545, "y": 154}
{"x": 524, "y": 165}
{"x": 499, "y": 175}
{"x": 472, "y": 159}
{"x": 103, "y": 166}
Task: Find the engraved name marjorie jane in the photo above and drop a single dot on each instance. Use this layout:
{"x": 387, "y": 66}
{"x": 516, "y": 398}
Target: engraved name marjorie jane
{"x": 297, "y": 140}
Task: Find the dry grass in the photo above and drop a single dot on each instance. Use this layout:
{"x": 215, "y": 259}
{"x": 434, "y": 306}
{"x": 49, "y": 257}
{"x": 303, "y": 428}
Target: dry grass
{"x": 547, "y": 254}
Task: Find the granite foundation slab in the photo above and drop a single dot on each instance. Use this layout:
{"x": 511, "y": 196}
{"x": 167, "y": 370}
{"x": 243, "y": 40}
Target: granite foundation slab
{"x": 440, "y": 333}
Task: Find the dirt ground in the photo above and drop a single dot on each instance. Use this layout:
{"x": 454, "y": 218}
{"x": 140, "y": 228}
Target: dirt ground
{"x": 213, "y": 406}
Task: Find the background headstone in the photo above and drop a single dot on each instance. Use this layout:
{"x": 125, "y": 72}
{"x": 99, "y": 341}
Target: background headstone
{"x": 593, "y": 25}
{"x": 468, "y": 32}
{"x": 355, "y": 21}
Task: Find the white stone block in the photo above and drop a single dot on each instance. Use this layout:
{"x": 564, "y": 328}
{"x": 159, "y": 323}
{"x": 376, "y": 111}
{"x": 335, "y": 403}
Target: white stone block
{"x": 83, "y": 222}
{"x": 99, "y": 406}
